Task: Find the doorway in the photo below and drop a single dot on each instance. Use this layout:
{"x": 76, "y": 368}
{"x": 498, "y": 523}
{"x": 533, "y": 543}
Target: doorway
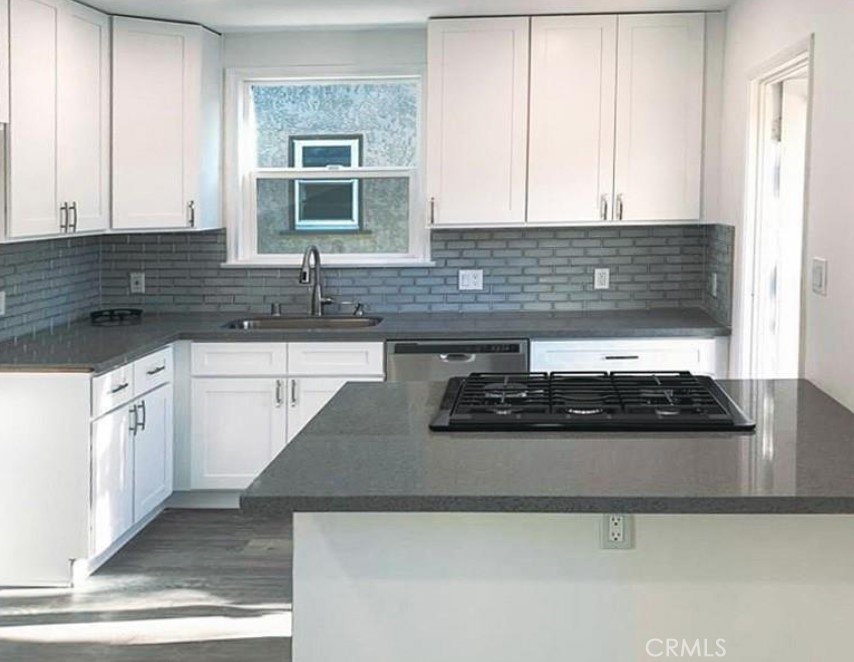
{"x": 776, "y": 220}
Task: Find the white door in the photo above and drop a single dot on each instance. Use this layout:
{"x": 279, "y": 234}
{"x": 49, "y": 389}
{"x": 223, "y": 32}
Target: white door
{"x": 571, "y": 151}
{"x": 477, "y": 120}
{"x": 152, "y": 451}
{"x": 34, "y": 200}
{"x": 84, "y": 117}
{"x": 238, "y": 427}
{"x": 154, "y": 136}
{"x": 112, "y": 479}
{"x": 308, "y": 395}
{"x": 659, "y": 117}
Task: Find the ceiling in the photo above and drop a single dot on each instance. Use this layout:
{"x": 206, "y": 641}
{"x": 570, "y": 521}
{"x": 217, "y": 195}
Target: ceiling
{"x": 240, "y": 15}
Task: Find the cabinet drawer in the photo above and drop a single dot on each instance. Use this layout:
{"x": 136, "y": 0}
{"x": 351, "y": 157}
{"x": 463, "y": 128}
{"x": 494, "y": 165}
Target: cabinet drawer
{"x": 331, "y": 358}
{"x": 112, "y": 390}
{"x": 697, "y": 355}
{"x": 238, "y": 359}
{"x": 152, "y": 371}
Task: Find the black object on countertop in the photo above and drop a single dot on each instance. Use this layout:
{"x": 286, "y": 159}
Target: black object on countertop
{"x": 588, "y": 401}
{"x": 116, "y": 316}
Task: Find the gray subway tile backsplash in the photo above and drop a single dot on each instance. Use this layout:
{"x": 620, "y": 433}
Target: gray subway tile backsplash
{"x": 53, "y": 282}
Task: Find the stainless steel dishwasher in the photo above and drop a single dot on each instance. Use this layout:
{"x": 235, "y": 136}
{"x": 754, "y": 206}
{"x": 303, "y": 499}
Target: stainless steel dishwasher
{"x": 436, "y": 361}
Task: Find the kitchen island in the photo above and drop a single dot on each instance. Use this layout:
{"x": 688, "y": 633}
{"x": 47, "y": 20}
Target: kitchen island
{"x": 417, "y": 545}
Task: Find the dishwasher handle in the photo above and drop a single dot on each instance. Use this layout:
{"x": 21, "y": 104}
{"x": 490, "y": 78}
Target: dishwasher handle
{"x": 457, "y": 357}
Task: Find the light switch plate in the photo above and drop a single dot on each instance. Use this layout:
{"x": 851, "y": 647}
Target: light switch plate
{"x": 137, "y": 282}
{"x": 471, "y": 279}
{"x": 819, "y": 276}
{"x": 2, "y": 303}
{"x": 601, "y": 279}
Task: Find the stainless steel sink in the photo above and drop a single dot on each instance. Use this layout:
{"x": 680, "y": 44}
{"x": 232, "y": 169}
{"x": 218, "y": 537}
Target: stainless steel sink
{"x": 284, "y": 322}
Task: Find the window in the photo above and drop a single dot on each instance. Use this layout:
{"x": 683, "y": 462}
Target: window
{"x": 333, "y": 162}
{"x": 326, "y": 204}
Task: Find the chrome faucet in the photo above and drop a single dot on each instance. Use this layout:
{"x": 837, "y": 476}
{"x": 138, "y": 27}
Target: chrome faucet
{"x": 310, "y": 274}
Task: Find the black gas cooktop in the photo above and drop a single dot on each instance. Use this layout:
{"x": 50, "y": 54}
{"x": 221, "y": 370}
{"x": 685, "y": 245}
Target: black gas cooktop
{"x": 588, "y": 401}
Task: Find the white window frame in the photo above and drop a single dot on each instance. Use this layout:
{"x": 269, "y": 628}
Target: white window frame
{"x": 306, "y": 224}
{"x": 241, "y": 177}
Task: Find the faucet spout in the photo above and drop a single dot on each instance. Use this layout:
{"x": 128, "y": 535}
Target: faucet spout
{"x": 310, "y": 274}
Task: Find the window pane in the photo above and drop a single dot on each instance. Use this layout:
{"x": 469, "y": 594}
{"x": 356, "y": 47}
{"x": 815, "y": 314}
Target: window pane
{"x": 325, "y": 204}
{"x": 383, "y": 205}
{"x": 319, "y": 156}
{"x": 384, "y": 114}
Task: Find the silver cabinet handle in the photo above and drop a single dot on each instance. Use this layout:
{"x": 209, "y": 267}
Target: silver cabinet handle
{"x": 457, "y": 358}
{"x": 156, "y": 370}
{"x": 622, "y": 358}
{"x": 132, "y": 420}
{"x": 432, "y": 210}
{"x": 603, "y": 207}
{"x": 293, "y": 393}
{"x": 73, "y": 224}
{"x": 142, "y": 419}
{"x": 63, "y": 217}
{"x": 191, "y": 213}
{"x": 620, "y": 207}
{"x": 119, "y": 388}
{"x": 280, "y": 393}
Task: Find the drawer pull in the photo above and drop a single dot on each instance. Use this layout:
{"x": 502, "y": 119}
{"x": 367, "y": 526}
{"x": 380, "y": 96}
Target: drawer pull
{"x": 156, "y": 370}
{"x": 622, "y": 358}
{"x": 119, "y": 388}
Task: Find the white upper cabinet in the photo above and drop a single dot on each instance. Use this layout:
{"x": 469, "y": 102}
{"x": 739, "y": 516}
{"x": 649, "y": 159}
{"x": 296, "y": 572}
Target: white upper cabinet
{"x": 59, "y": 125}
{"x": 477, "y": 120}
{"x": 166, "y": 125}
{"x": 4, "y": 62}
{"x": 573, "y": 85}
{"x": 660, "y": 71}
{"x": 84, "y": 118}
{"x": 34, "y": 202}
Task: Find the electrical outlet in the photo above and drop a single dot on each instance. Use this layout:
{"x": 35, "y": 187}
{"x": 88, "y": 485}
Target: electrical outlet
{"x": 601, "y": 279}
{"x": 713, "y": 285}
{"x": 471, "y": 279}
{"x": 618, "y": 531}
{"x": 137, "y": 282}
{"x": 819, "y": 276}
{"x": 2, "y": 303}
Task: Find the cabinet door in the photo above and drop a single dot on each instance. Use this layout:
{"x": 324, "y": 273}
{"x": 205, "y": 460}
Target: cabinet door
{"x": 477, "y": 120}
{"x": 84, "y": 117}
{"x": 573, "y": 84}
{"x": 308, "y": 395}
{"x": 154, "y": 68}
{"x": 659, "y": 116}
{"x": 238, "y": 427}
{"x": 152, "y": 451}
{"x": 34, "y": 201}
{"x": 112, "y": 479}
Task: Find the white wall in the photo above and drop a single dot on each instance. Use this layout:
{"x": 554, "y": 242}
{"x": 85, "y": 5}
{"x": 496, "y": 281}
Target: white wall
{"x": 402, "y": 46}
{"x": 508, "y": 587}
{"x": 758, "y": 30}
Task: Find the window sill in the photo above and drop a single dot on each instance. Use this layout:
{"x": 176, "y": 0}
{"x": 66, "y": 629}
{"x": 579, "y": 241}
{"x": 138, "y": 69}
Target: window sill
{"x": 344, "y": 262}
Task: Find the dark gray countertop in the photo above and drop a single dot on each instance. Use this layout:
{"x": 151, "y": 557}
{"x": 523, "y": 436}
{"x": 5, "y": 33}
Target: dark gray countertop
{"x": 82, "y": 347}
{"x": 800, "y": 460}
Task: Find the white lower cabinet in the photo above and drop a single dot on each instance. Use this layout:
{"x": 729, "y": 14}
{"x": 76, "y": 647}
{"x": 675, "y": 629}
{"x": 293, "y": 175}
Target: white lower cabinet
{"x": 702, "y": 356}
{"x": 308, "y": 395}
{"x": 152, "y": 451}
{"x": 250, "y": 399}
{"x": 239, "y": 425}
{"x": 112, "y": 479}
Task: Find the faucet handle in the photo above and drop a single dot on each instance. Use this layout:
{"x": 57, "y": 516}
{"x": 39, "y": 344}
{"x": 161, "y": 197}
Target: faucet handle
{"x": 358, "y": 307}
{"x": 276, "y": 309}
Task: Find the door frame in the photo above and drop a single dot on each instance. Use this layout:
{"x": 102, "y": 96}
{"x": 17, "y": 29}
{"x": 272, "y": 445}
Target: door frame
{"x": 774, "y": 71}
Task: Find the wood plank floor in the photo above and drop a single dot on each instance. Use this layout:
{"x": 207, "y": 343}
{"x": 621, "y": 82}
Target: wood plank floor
{"x": 195, "y": 585}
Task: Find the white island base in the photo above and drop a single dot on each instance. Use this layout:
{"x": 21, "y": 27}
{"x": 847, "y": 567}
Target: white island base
{"x": 443, "y": 587}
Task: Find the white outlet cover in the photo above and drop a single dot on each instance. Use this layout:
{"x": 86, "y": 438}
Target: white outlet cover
{"x": 470, "y": 279}
{"x": 601, "y": 279}
{"x": 819, "y": 276}
{"x": 2, "y": 304}
{"x": 137, "y": 282}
